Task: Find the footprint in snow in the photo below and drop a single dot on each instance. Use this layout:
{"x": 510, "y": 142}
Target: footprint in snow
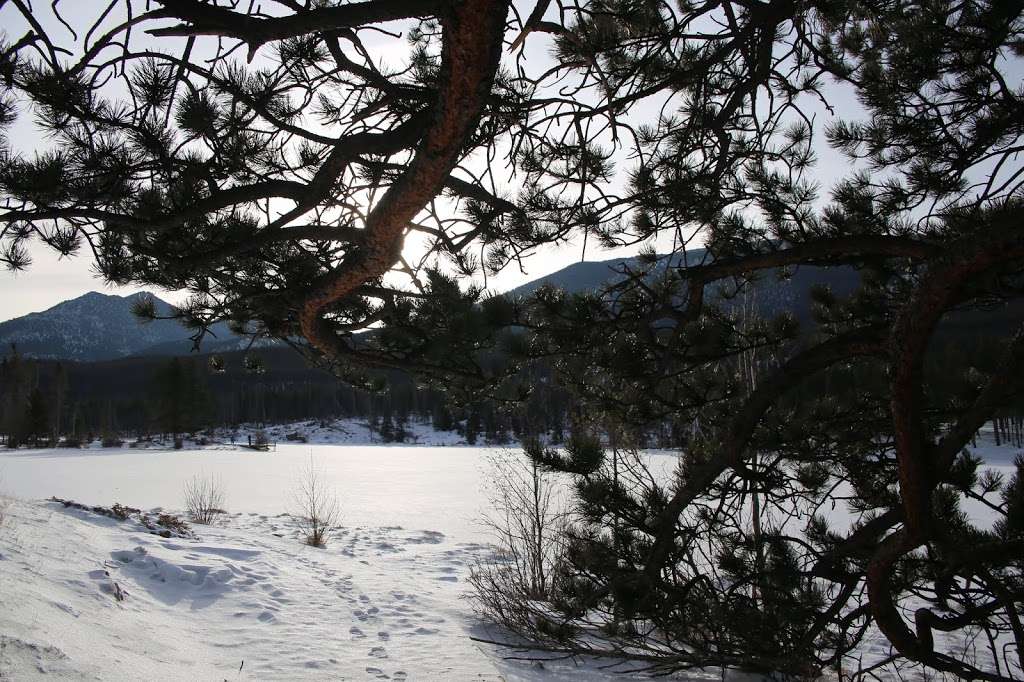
{"x": 378, "y": 652}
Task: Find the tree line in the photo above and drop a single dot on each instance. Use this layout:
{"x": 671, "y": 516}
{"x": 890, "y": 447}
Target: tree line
{"x": 46, "y": 402}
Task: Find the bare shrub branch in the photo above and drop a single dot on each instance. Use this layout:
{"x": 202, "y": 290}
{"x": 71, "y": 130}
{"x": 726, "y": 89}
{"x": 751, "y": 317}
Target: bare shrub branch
{"x": 528, "y": 524}
{"x": 204, "y": 499}
{"x": 317, "y": 508}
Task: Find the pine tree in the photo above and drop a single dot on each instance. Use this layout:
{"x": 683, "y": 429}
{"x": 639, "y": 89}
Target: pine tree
{"x": 14, "y": 383}
{"x": 60, "y": 392}
{"x": 184, "y": 401}
{"x": 37, "y": 417}
{"x": 916, "y": 109}
{"x": 472, "y": 427}
{"x": 387, "y": 428}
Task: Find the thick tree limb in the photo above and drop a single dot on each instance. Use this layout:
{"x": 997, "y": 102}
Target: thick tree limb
{"x": 918, "y": 470}
{"x": 471, "y": 48}
{"x": 857, "y": 343}
{"x": 207, "y": 19}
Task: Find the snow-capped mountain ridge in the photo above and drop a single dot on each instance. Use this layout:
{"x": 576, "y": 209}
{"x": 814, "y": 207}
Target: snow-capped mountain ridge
{"x": 96, "y": 326}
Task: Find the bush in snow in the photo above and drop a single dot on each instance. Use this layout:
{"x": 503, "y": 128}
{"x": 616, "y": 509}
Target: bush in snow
{"x": 528, "y": 523}
{"x": 204, "y": 499}
{"x": 318, "y": 510}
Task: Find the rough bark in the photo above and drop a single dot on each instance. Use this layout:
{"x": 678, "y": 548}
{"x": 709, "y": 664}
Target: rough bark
{"x": 471, "y": 48}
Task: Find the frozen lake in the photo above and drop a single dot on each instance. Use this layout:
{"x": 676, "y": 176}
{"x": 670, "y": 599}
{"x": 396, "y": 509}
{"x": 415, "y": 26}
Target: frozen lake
{"x": 415, "y": 487}
{"x": 434, "y": 488}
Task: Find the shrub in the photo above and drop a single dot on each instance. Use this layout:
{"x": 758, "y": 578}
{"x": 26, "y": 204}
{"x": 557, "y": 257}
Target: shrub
{"x": 318, "y": 508}
{"x": 173, "y": 524}
{"x": 528, "y": 522}
{"x": 204, "y": 499}
{"x": 121, "y": 512}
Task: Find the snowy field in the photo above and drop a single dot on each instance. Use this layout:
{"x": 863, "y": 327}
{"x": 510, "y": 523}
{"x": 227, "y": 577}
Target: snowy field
{"x": 246, "y": 600}
{"x": 414, "y": 487}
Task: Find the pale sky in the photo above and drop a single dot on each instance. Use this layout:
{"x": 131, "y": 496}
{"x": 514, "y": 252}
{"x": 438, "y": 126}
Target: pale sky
{"x": 51, "y": 279}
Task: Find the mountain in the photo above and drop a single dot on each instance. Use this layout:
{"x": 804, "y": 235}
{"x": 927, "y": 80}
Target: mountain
{"x": 774, "y": 293}
{"x": 102, "y": 327}
{"x": 771, "y": 295}
{"x": 577, "y": 277}
{"x": 98, "y": 326}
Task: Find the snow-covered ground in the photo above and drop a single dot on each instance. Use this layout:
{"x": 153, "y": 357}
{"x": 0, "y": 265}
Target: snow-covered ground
{"x": 345, "y": 432}
{"x": 246, "y": 600}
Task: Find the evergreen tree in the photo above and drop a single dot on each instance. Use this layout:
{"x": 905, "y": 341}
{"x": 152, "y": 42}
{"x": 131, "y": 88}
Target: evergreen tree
{"x": 172, "y": 391}
{"x": 37, "y": 417}
{"x": 472, "y": 428}
{"x": 59, "y": 392}
{"x": 110, "y": 431}
{"x": 183, "y": 398}
{"x": 387, "y": 428}
{"x": 441, "y": 417}
{"x": 916, "y": 106}
{"x": 14, "y": 396}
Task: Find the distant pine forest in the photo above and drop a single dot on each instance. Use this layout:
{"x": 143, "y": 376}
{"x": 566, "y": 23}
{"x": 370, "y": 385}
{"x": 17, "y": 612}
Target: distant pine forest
{"x": 48, "y": 403}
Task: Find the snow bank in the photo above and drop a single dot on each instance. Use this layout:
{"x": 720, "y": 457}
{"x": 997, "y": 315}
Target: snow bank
{"x": 246, "y": 601}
